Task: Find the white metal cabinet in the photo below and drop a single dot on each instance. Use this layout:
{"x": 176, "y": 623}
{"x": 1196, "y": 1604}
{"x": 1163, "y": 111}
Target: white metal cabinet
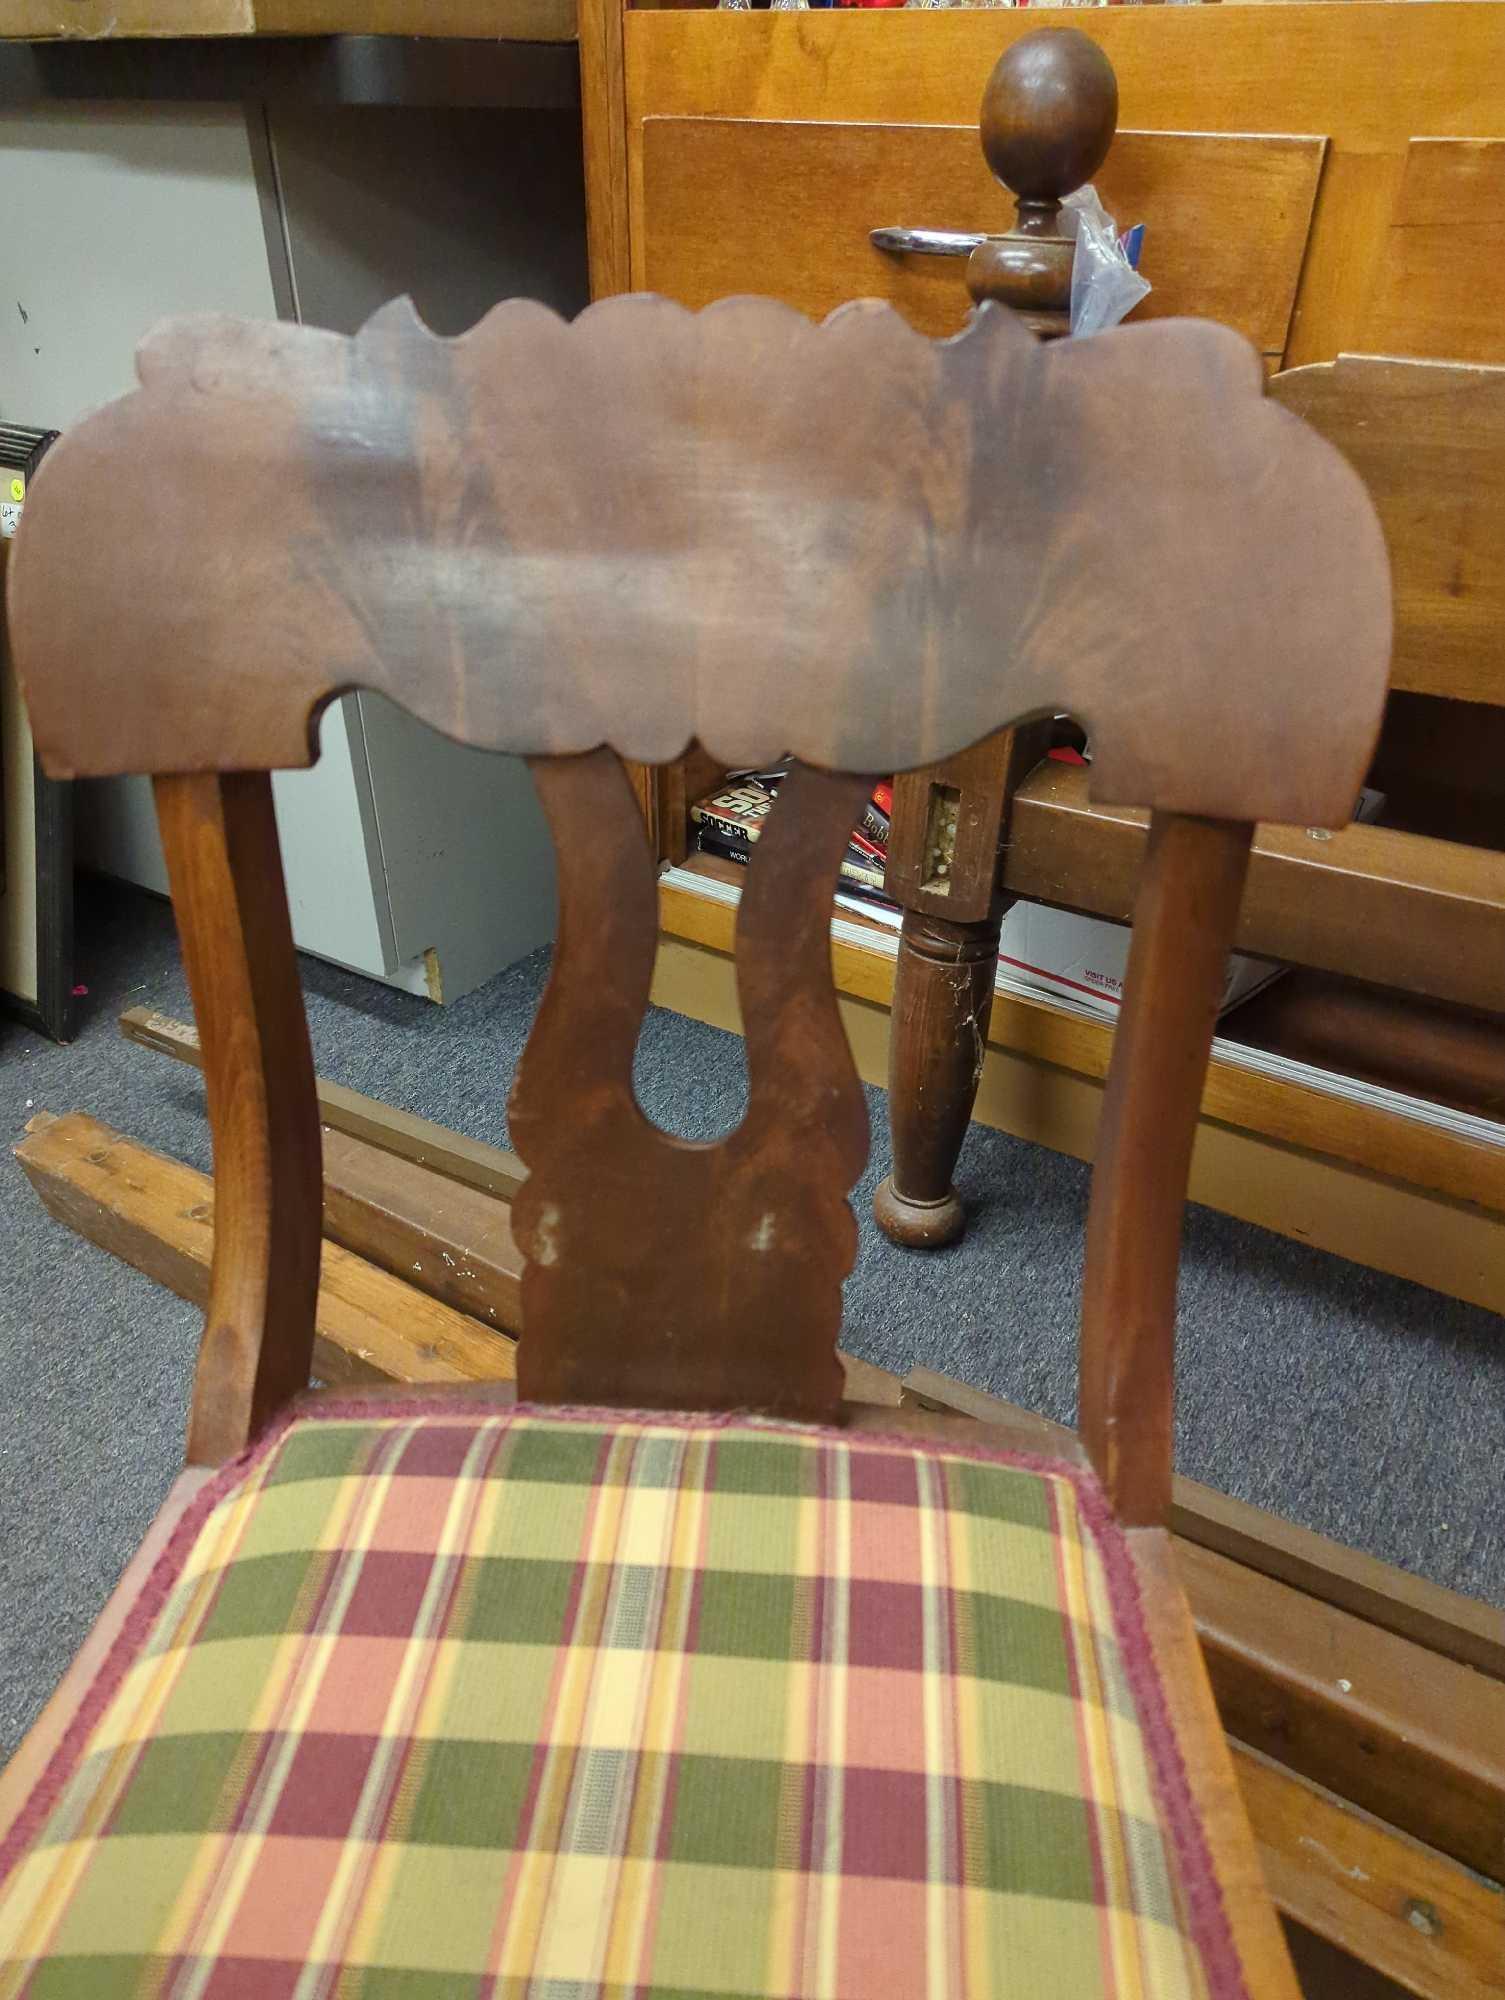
{"x": 408, "y": 857}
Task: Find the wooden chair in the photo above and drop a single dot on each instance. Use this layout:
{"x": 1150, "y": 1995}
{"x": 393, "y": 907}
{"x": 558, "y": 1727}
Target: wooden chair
{"x": 682, "y": 1675}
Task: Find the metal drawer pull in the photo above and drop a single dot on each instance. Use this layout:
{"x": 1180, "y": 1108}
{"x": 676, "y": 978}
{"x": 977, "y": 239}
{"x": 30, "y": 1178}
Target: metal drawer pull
{"x": 925, "y": 242}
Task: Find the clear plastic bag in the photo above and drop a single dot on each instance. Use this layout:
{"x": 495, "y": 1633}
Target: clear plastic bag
{"x": 1104, "y": 283}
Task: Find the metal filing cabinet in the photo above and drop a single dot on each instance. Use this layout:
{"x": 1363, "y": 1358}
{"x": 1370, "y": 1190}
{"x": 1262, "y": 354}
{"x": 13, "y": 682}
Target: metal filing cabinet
{"x": 408, "y": 857}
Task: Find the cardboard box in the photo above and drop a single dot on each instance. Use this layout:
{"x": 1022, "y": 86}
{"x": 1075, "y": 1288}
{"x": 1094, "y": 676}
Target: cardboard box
{"x": 1082, "y": 960}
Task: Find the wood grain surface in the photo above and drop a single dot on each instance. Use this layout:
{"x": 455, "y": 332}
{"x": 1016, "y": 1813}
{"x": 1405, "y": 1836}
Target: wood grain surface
{"x": 1427, "y": 916}
{"x": 1428, "y": 440}
{"x": 666, "y": 1273}
{"x": 1435, "y": 1927}
{"x": 1228, "y": 216}
{"x": 100, "y": 20}
{"x": 436, "y": 1234}
{"x": 1413, "y": 1737}
{"x": 603, "y": 138}
{"x": 487, "y": 20}
{"x": 943, "y": 999}
{"x": 1371, "y": 77}
{"x": 219, "y": 835}
{"x": 1439, "y": 284}
{"x": 490, "y": 1169}
{"x": 159, "y": 1216}
{"x": 845, "y": 542}
{"x": 1370, "y": 73}
{"x": 1178, "y": 959}
{"x": 1452, "y": 1056}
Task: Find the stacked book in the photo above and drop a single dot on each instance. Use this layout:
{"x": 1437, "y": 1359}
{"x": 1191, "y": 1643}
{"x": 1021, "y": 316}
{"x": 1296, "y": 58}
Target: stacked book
{"x": 728, "y": 821}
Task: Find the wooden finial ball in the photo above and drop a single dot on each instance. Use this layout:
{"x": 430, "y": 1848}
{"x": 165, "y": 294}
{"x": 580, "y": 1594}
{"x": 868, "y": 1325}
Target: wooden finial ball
{"x": 1049, "y": 113}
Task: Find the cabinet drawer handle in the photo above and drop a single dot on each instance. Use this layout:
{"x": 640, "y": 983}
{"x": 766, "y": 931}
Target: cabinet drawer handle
{"x": 925, "y": 242}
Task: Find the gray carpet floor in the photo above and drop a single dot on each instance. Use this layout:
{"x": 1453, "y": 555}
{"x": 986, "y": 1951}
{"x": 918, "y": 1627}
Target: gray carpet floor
{"x": 1367, "y": 1408}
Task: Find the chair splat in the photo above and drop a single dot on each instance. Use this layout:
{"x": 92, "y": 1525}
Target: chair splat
{"x": 663, "y": 1270}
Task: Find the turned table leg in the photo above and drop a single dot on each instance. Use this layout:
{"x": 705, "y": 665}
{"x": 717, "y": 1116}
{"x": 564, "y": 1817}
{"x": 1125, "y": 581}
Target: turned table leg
{"x": 948, "y": 823}
{"x": 1040, "y": 138}
{"x": 943, "y": 995}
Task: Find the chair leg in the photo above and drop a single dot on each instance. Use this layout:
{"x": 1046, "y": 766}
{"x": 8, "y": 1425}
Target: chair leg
{"x": 943, "y": 997}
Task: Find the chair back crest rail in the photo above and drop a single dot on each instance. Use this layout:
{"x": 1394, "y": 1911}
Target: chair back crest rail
{"x": 604, "y": 540}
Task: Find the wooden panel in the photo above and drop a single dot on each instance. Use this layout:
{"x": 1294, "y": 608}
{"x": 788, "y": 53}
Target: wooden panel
{"x": 1429, "y": 444}
{"x": 494, "y": 20}
{"x": 1343, "y": 252}
{"x": 1416, "y": 1739}
{"x": 1440, "y": 281}
{"x": 1395, "y": 1904}
{"x": 1423, "y": 915}
{"x": 43, "y": 20}
{"x": 490, "y": 20}
{"x": 436, "y": 1234}
{"x": 1447, "y": 1055}
{"x": 755, "y": 205}
{"x": 603, "y": 136}
{"x": 491, "y": 1169}
{"x": 1412, "y": 1607}
{"x": 716, "y": 463}
{"x": 661, "y": 1272}
{"x": 1369, "y": 75}
{"x": 159, "y": 1216}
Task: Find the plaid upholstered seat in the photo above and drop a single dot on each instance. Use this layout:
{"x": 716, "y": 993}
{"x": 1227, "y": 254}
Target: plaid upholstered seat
{"x": 423, "y": 1704}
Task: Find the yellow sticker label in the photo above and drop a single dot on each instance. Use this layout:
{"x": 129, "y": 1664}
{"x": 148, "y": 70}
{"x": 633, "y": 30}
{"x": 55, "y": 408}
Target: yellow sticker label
{"x": 18, "y": 489}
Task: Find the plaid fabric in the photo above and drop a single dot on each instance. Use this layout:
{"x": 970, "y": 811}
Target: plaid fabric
{"x": 463, "y": 1703}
